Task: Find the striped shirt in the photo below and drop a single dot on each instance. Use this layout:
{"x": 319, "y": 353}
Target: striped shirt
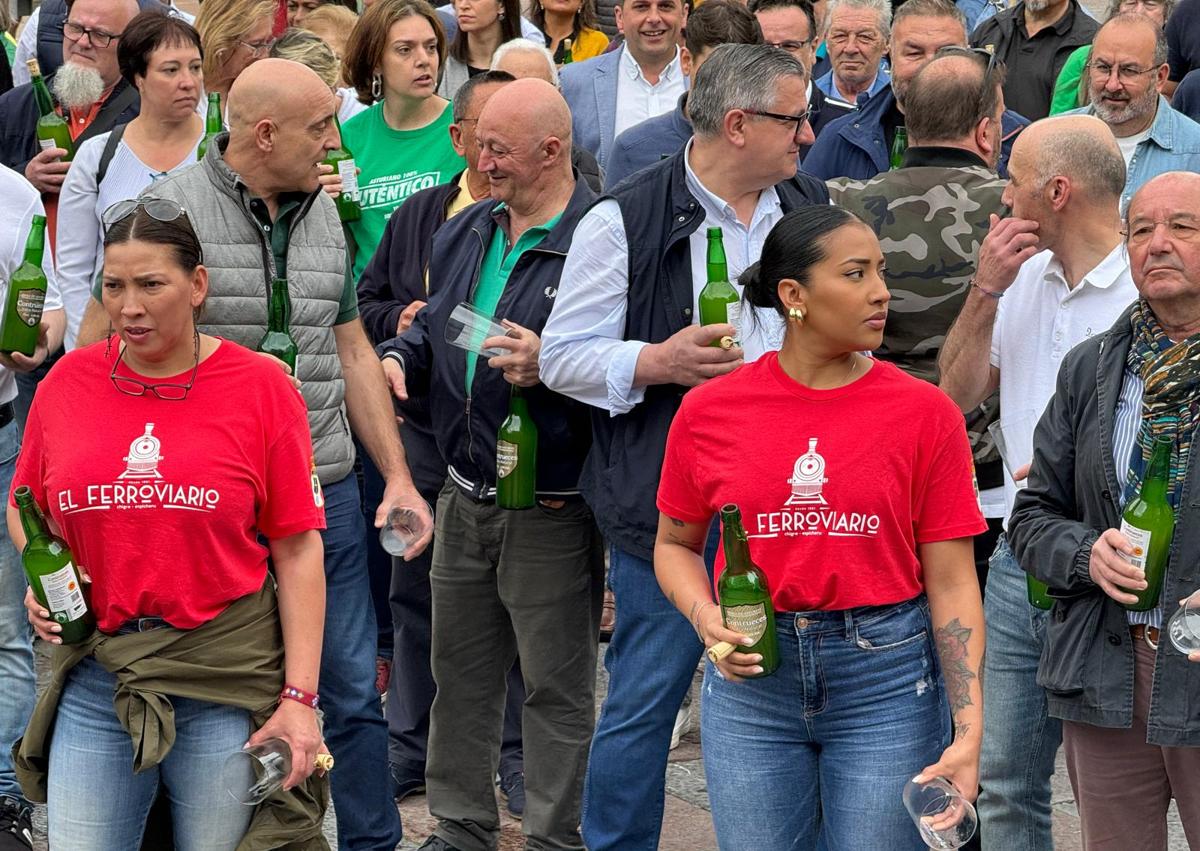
{"x": 1126, "y": 422}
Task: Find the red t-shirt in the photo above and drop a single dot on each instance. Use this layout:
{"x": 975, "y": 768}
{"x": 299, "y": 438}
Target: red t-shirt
{"x": 163, "y": 501}
{"x": 837, "y": 487}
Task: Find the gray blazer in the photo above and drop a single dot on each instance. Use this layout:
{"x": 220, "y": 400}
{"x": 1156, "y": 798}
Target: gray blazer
{"x": 590, "y": 89}
{"x": 1087, "y": 659}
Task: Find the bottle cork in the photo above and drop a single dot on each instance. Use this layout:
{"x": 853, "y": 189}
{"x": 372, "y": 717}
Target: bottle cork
{"x": 719, "y": 651}
{"x": 324, "y": 762}
{"x": 33, "y": 66}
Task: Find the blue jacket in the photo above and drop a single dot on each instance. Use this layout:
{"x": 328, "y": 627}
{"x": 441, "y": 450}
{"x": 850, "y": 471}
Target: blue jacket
{"x": 854, "y": 146}
{"x": 465, "y": 426}
{"x": 620, "y": 481}
{"x": 1173, "y": 145}
{"x": 644, "y": 144}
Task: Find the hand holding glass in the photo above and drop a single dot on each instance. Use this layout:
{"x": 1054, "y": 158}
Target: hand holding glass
{"x": 257, "y": 772}
{"x": 1014, "y": 440}
{"x": 467, "y": 328}
{"x": 404, "y": 527}
{"x": 945, "y": 819}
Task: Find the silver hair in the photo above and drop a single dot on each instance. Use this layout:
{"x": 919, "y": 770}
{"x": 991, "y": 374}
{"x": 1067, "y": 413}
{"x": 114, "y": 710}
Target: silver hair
{"x": 882, "y": 8}
{"x": 738, "y": 76}
{"x": 519, "y": 44}
{"x": 77, "y": 86}
{"x": 1088, "y": 160}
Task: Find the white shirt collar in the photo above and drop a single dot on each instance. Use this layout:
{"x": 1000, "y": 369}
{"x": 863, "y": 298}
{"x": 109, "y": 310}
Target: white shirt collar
{"x": 631, "y": 69}
{"x": 1106, "y": 273}
{"x": 768, "y": 199}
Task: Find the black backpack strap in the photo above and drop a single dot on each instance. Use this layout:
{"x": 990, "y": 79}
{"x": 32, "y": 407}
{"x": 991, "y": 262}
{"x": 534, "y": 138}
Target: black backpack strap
{"x": 110, "y": 150}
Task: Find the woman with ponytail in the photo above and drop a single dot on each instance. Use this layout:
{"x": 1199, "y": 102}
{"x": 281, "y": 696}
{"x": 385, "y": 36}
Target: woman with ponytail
{"x": 855, "y": 485}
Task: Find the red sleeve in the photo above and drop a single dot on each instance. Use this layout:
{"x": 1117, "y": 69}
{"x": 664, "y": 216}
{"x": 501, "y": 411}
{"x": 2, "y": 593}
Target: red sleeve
{"x": 294, "y": 502}
{"x": 31, "y": 463}
{"x": 678, "y": 495}
{"x": 948, "y": 501}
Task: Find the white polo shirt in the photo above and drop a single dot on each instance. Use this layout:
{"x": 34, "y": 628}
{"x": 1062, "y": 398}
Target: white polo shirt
{"x": 1039, "y": 320}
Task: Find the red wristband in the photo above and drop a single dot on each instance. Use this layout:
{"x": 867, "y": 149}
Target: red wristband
{"x": 299, "y": 695}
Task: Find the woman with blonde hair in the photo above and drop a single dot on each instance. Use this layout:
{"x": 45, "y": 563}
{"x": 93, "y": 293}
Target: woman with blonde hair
{"x": 313, "y": 52}
{"x": 234, "y": 33}
{"x": 402, "y": 143}
{"x": 333, "y": 24}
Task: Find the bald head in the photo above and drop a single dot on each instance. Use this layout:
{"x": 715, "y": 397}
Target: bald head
{"x": 530, "y": 108}
{"x": 1078, "y": 147}
{"x": 277, "y": 89}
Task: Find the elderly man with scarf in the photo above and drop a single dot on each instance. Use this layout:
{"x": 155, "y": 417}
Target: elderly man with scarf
{"x": 1129, "y": 704}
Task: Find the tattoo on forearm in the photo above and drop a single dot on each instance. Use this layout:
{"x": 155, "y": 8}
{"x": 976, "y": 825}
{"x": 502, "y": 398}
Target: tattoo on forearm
{"x": 693, "y": 544}
{"x": 952, "y": 640}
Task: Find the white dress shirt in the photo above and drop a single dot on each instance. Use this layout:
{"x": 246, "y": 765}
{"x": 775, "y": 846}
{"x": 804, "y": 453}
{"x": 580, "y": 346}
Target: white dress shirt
{"x": 584, "y": 355}
{"x": 638, "y": 99}
{"x": 1039, "y": 320}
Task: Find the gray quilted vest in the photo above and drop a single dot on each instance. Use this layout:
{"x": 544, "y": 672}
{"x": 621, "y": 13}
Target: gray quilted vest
{"x": 237, "y": 254}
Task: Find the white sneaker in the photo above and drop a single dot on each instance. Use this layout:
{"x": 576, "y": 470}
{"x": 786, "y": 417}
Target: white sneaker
{"x": 683, "y": 723}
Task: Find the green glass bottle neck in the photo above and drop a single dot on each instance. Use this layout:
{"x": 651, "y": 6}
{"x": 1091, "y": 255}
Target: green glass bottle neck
{"x": 35, "y": 246}
{"x": 212, "y": 121}
{"x": 42, "y": 95}
{"x": 735, "y": 544}
{"x": 1158, "y": 469}
{"x": 516, "y": 401}
{"x": 32, "y": 522}
{"x": 718, "y": 268}
{"x": 280, "y": 307}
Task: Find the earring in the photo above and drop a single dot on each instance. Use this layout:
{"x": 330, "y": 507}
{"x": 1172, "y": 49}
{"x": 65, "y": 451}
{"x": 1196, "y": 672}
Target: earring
{"x": 108, "y": 342}
{"x": 796, "y": 314}
{"x": 501, "y": 15}
{"x": 376, "y": 86}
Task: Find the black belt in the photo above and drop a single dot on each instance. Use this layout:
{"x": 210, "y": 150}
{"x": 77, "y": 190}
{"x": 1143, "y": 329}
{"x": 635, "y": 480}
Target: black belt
{"x": 8, "y": 413}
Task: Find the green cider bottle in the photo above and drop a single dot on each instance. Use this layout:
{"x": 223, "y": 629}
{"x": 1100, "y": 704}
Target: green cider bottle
{"x": 719, "y": 301}
{"x": 213, "y": 125}
{"x": 278, "y": 340}
{"x": 743, "y": 592}
{"x": 1039, "y": 594}
{"x": 1148, "y": 523}
{"x": 53, "y": 131}
{"x": 348, "y": 206}
{"x": 567, "y": 57}
{"x": 52, "y": 573}
{"x": 20, "y": 326}
{"x": 899, "y": 146}
{"x": 516, "y": 455}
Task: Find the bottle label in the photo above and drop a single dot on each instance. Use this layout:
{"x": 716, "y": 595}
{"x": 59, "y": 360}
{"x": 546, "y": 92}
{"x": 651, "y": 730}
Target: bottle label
{"x": 348, "y": 172}
{"x": 64, "y": 597}
{"x": 750, "y": 621}
{"x": 506, "y": 458}
{"x": 46, "y": 144}
{"x": 733, "y": 315}
{"x": 1139, "y": 539}
{"x": 29, "y": 306}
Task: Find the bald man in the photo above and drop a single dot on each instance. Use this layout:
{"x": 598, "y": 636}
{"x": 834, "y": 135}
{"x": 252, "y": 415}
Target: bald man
{"x": 506, "y": 581}
{"x": 257, "y": 206}
{"x": 1051, "y": 276}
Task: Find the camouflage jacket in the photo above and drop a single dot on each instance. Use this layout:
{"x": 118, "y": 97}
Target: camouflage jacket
{"x": 930, "y": 216}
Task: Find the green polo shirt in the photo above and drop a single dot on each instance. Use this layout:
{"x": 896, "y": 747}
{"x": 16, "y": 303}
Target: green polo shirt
{"x": 498, "y": 263}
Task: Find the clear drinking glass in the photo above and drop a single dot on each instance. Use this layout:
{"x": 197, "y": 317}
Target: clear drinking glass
{"x": 253, "y": 774}
{"x": 467, "y": 328}
{"x": 1014, "y": 440}
{"x": 404, "y": 527}
{"x": 945, "y": 819}
{"x": 1184, "y": 626}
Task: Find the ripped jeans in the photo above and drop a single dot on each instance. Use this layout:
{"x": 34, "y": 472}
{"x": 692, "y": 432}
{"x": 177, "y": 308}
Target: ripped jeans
{"x": 817, "y": 754}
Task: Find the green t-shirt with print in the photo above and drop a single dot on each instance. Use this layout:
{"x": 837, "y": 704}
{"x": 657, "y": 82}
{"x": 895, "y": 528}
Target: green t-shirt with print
{"x": 394, "y": 164}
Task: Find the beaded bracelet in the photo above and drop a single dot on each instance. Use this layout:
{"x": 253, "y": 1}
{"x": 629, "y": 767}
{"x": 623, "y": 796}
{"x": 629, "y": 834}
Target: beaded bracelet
{"x": 299, "y": 695}
{"x": 986, "y": 292}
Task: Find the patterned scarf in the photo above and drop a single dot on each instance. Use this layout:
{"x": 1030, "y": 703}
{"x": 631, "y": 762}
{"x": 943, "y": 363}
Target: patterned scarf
{"x": 1171, "y": 399}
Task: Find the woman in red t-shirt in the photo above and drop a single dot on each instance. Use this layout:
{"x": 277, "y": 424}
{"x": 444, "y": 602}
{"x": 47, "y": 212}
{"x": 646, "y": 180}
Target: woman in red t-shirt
{"x": 856, "y": 491}
{"x": 174, "y": 464}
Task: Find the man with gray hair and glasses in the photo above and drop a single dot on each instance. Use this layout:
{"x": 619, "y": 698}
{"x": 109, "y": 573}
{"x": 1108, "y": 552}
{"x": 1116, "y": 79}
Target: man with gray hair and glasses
{"x": 624, "y": 338}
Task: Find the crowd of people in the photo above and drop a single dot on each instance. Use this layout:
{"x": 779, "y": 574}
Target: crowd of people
{"x": 966, "y": 242}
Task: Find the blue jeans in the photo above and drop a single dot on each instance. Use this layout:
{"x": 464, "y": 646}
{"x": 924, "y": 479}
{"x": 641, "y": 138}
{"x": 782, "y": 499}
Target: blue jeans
{"x": 1019, "y": 738}
{"x": 95, "y": 799}
{"x": 354, "y": 727}
{"x": 650, "y": 662}
{"x": 16, "y": 652}
{"x": 816, "y": 755}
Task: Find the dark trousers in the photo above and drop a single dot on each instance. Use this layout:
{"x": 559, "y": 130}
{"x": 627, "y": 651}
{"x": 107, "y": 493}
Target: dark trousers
{"x": 503, "y": 583}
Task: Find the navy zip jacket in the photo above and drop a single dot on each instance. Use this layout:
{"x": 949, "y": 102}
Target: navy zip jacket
{"x": 466, "y": 427}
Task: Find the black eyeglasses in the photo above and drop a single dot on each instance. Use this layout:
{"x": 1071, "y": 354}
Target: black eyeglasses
{"x": 98, "y": 38}
{"x": 166, "y": 391}
{"x": 798, "y": 120}
{"x": 790, "y": 46}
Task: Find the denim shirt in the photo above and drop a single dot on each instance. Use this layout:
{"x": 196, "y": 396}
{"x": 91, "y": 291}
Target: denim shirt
{"x": 1173, "y": 145}
{"x": 978, "y": 11}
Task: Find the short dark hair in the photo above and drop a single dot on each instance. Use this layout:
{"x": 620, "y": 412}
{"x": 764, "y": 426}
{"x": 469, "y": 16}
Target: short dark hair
{"x": 466, "y": 92}
{"x": 720, "y": 22}
{"x": 795, "y": 244}
{"x": 510, "y": 28}
{"x": 177, "y": 234}
{"x": 804, "y": 6}
{"x": 146, "y": 33}
{"x": 369, "y": 39}
{"x": 941, "y": 107}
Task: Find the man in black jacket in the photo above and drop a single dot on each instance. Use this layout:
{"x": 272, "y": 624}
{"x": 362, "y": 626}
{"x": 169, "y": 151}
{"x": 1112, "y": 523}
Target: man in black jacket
{"x": 505, "y": 581}
{"x": 88, "y": 87}
{"x": 392, "y": 289}
{"x": 623, "y": 338}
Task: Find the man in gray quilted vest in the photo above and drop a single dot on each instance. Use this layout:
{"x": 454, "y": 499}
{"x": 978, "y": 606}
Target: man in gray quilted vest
{"x": 257, "y": 206}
